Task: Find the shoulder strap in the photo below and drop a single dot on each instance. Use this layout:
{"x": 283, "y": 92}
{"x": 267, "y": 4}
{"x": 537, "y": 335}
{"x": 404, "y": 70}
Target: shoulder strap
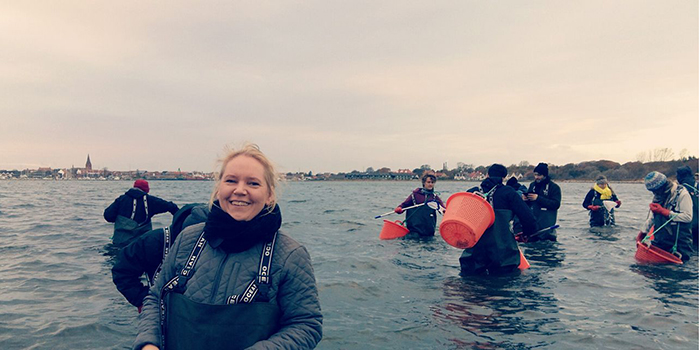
{"x": 259, "y": 286}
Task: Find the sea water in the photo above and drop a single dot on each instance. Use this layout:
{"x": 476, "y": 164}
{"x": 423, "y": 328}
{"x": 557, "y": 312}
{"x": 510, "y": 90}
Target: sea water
{"x": 584, "y": 291}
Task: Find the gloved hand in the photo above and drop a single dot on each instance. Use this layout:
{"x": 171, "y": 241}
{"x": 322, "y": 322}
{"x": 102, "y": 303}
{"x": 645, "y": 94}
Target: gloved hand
{"x": 619, "y": 203}
{"x": 593, "y": 207}
{"x": 140, "y": 307}
{"x": 658, "y": 209}
{"x": 398, "y": 210}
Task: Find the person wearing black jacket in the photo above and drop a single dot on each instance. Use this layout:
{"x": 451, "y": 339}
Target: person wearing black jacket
{"x": 594, "y": 202}
{"x": 497, "y": 252}
{"x": 145, "y": 254}
{"x": 544, "y": 198}
{"x": 131, "y": 212}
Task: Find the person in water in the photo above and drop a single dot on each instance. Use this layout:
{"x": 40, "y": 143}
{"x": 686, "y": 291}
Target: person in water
{"x": 544, "y": 198}
{"x": 594, "y": 202}
{"x": 146, "y": 254}
{"x": 684, "y": 175}
{"x": 671, "y": 215}
{"x": 497, "y": 252}
{"x": 421, "y": 221}
{"x": 521, "y": 190}
{"x": 235, "y": 281}
{"x": 131, "y": 212}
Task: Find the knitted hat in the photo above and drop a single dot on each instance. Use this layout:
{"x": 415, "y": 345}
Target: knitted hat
{"x": 142, "y": 185}
{"x": 601, "y": 179}
{"x": 498, "y": 170}
{"x": 513, "y": 182}
{"x": 542, "y": 169}
{"x": 654, "y": 180}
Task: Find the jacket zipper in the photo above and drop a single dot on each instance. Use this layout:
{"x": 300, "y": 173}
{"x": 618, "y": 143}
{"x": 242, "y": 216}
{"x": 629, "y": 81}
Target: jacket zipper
{"x": 218, "y": 279}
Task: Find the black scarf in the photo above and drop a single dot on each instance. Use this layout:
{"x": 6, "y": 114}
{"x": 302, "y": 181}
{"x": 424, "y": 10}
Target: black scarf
{"x": 221, "y": 230}
{"x": 662, "y": 195}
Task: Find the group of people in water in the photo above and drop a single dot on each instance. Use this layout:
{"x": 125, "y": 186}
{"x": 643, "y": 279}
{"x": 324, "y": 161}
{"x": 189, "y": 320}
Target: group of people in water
{"x": 222, "y": 275}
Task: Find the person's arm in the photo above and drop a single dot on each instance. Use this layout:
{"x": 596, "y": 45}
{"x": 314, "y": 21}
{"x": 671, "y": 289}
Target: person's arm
{"x": 553, "y": 199}
{"x": 112, "y": 210}
{"x": 139, "y": 257}
{"x": 684, "y": 207}
{"x": 160, "y": 206}
{"x": 301, "y": 320}
{"x": 589, "y": 199}
{"x": 524, "y": 214}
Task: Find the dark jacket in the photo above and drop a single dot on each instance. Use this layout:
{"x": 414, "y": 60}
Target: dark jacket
{"x": 145, "y": 254}
{"x": 221, "y": 274}
{"x": 601, "y": 216}
{"x": 497, "y": 251}
{"x": 123, "y": 206}
{"x": 545, "y": 207}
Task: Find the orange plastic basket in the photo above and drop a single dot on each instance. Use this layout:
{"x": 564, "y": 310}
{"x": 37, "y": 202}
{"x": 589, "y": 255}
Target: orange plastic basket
{"x": 392, "y": 230}
{"x": 655, "y": 255}
{"x": 467, "y": 216}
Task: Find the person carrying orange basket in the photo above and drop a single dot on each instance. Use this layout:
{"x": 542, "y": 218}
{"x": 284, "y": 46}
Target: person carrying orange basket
{"x": 672, "y": 214}
{"x": 421, "y": 220}
{"x": 497, "y": 252}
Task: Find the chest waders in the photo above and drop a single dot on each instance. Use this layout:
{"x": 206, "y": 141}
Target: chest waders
{"x": 545, "y": 218}
{"x": 600, "y": 217}
{"x": 421, "y": 220}
{"x": 126, "y": 229}
{"x": 674, "y": 237}
{"x": 496, "y": 252}
{"x": 244, "y": 320}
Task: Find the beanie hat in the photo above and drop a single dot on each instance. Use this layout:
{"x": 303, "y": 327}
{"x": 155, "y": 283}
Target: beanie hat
{"x": 684, "y": 171}
{"x": 142, "y": 185}
{"x": 654, "y": 180}
{"x": 601, "y": 179}
{"x": 542, "y": 169}
{"x": 498, "y": 170}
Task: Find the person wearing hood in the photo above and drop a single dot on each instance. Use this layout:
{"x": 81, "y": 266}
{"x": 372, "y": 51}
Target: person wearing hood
{"x": 544, "y": 198}
{"x": 671, "y": 215}
{"x": 131, "y": 212}
{"x": 146, "y": 254}
{"x": 595, "y": 203}
{"x": 685, "y": 177}
{"x": 235, "y": 281}
{"x": 421, "y": 220}
{"x": 497, "y": 252}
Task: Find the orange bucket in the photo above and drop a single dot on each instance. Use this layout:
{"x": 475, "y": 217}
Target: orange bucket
{"x": 392, "y": 230}
{"x": 524, "y": 265}
{"x": 467, "y": 216}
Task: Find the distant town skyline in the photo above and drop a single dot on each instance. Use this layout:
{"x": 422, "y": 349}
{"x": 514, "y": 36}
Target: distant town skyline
{"x": 342, "y": 86}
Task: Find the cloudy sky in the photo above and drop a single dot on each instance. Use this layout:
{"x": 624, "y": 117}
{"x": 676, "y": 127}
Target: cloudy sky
{"x": 344, "y": 85}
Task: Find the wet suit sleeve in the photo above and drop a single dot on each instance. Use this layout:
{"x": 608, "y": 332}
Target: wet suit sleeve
{"x": 141, "y": 256}
{"x": 589, "y": 199}
{"x": 301, "y": 320}
{"x": 553, "y": 199}
{"x": 524, "y": 214}
{"x": 112, "y": 210}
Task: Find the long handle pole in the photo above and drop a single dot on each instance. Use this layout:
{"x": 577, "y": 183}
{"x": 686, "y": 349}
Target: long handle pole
{"x": 392, "y": 212}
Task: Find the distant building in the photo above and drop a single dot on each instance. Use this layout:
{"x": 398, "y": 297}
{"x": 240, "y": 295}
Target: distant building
{"x": 88, "y": 164}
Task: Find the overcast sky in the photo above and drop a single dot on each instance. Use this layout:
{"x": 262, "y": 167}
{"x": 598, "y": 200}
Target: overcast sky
{"x": 345, "y": 85}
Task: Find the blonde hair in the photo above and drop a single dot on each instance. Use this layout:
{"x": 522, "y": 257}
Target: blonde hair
{"x": 253, "y": 151}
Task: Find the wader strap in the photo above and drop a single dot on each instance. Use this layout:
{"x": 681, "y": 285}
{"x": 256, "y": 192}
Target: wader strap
{"x": 179, "y": 282}
{"x": 166, "y": 250}
{"x": 145, "y": 205}
{"x": 263, "y": 278}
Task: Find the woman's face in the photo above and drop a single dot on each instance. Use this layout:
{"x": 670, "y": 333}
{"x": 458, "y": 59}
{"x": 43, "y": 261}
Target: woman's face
{"x": 243, "y": 191}
{"x": 602, "y": 185}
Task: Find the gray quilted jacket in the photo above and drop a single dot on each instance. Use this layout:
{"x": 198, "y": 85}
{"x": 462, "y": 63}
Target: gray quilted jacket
{"x": 293, "y": 288}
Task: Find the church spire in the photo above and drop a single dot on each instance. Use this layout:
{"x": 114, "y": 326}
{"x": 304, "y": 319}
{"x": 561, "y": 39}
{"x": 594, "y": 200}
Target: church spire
{"x": 88, "y": 164}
